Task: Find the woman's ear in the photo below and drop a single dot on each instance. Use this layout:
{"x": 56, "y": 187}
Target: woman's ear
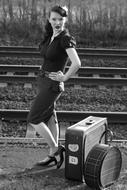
{"x": 66, "y": 19}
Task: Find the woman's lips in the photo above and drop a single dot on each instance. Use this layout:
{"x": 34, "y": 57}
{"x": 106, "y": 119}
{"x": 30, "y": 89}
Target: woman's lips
{"x": 57, "y": 27}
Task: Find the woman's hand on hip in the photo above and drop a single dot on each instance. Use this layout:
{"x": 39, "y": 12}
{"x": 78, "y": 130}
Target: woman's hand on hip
{"x": 57, "y": 76}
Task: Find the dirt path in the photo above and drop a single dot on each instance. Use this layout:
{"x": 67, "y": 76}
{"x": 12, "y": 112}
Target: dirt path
{"x": 17, "y": 171}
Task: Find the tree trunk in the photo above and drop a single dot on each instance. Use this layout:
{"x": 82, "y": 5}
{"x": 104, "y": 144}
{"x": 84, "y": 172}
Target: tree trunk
{"x": 34, "y": 12}
{"x": 10, "y": 9}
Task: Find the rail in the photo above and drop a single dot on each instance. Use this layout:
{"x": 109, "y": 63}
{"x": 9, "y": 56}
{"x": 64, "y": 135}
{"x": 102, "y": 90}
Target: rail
{"x": 73, "y": 81}
{"x": 85, "y": 75}
{"x": 18, "y": 51}
{"x": 66, "y": 116}
{"x": 81, "y": 72}
{"x": 119, "y": 76}
{"x": 69, "y": 117}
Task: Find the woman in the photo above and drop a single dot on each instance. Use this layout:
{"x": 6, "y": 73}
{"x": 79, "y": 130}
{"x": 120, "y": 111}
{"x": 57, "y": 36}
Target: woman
{"x": 58, "y": 45}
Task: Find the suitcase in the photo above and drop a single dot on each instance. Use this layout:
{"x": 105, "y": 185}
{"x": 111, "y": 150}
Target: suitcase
{"x": 79, "y": 140}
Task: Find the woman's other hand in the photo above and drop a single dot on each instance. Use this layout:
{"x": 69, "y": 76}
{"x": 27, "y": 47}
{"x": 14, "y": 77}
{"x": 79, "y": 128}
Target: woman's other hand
{"x": 57, "y": 76}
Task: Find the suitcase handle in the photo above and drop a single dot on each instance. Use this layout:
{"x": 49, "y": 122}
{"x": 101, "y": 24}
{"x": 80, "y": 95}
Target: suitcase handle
{"x": 90, "y": 122}
{"x": 105, "y": 132}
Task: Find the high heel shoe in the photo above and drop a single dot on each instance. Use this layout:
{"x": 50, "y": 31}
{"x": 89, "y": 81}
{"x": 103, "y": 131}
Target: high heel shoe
{"x": 49, "y": 160}
{"x": 59, "y": 152}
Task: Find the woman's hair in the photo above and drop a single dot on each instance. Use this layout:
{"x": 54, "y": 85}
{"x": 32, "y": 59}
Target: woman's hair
{"x": 60, "y": 10}
{"x": 47, "y": 33}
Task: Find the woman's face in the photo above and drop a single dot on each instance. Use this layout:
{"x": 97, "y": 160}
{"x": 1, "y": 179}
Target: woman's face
{"x": 57, "y": 21}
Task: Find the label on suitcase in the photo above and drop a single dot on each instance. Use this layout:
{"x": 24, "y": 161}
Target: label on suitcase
{"x": 79, "y": 140}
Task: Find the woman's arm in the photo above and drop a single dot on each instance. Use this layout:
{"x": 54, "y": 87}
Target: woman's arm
{"x": 75, "y": 65}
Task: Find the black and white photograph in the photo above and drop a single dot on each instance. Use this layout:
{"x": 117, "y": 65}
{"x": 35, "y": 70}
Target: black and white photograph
{"x": 63, "y": 95}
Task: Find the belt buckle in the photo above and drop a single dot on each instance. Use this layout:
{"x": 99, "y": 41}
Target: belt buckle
{"x": 41, "y": 73}
{"x": 46, "y": 73}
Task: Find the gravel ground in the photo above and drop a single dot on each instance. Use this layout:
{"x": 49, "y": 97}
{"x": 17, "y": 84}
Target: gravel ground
{"x": 18, "y": 171}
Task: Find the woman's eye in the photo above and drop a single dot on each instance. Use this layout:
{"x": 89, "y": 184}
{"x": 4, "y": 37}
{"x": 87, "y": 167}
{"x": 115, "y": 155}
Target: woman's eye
{"x": 54, "y": 19}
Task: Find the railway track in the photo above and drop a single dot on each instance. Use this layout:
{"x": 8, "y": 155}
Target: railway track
{"x": 67, "y": 116}
{"x": 20, "y": 51}
{"x": 85, "y": 75}
{"x": 83, "y": 52}
{"x": 83, "y": 71}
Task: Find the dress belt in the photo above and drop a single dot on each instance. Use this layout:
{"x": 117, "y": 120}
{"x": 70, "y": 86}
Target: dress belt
{"x": 43, "y": 73}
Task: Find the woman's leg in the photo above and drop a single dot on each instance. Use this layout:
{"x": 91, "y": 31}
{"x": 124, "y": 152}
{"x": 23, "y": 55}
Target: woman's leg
{"x": 30, "y": 133}
{"x": 53, "y": 126}
{"x": 45, "y": 132}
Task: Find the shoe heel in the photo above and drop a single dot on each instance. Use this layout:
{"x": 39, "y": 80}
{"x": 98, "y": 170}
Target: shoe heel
{"x": 59, "y": 164}
{"x": 55, "y": 161}
{"x": 59, "y": 152}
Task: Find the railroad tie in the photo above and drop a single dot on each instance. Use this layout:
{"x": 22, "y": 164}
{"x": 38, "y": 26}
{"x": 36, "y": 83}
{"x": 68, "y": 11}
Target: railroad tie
{"x": 29, "y": 85}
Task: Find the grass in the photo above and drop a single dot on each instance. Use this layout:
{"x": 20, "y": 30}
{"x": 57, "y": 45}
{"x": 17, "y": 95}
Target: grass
{"x": 14, "y": 159}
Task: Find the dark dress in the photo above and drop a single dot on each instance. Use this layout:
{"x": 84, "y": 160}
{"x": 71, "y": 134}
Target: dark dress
{"x": 55, "y": 58}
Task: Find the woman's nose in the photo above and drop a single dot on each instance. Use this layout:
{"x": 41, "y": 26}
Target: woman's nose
{"x": 57, "y": 22}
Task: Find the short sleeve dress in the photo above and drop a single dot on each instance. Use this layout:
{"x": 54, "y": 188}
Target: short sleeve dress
{"x": 55, "y": 58}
